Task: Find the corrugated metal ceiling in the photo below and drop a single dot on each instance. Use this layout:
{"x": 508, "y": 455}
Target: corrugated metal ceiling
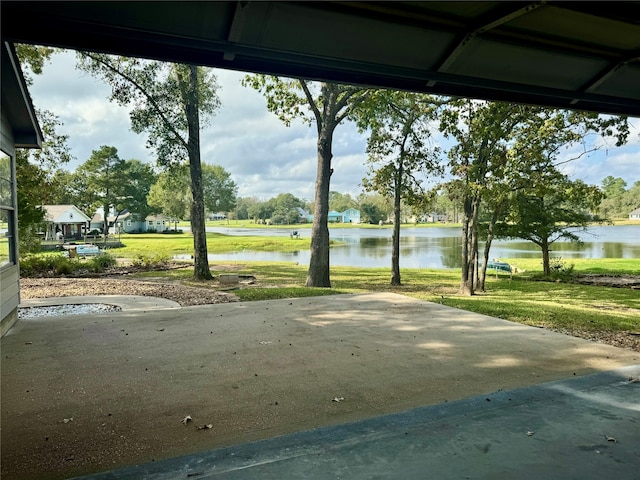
{"x": 583, "y": 55}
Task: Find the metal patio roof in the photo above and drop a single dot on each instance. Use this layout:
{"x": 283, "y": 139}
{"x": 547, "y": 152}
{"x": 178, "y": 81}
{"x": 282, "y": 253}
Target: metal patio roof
{"x": 581, "y": 55}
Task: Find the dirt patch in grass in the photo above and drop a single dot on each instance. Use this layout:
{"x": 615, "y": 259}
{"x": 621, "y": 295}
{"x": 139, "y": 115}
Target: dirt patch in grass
{"x": 619, "y": 281}
{"x": 65, "y": 287}
{"x": 630, "y": 340}
{"x": 120, "y": 280}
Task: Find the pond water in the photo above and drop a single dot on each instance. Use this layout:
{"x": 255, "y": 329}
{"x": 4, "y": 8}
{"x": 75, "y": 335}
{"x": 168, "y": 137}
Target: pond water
{"x": 434, "y": 247}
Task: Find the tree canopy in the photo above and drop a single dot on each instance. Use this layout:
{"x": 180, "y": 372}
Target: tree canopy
{"x": 400, "y": 152}
{"x": 219, "y": 189}
{"x": 170, "y": 194}
{"x": 554, "y": 208}
{"x": 500, "y": 149}
{"x": 113, "y": 184}
{"x": 35, "y": 175}
{"x": 35, "y": 168}
{"x": 618, "y": 200}
{"x": 341, "y": 201}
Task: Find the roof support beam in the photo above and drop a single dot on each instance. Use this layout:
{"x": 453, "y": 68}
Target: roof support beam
{"x": 599, "y": 79}
{"x": 236, "y": 28}
{"x": 499, "y": 16}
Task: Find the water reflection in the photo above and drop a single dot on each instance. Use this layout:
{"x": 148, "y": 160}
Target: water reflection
{"x": 437, "y": 247}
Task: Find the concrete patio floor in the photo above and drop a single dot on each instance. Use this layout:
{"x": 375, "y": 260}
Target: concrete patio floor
{"x": 86, "y": 394}
{"x": 580, "y": 428}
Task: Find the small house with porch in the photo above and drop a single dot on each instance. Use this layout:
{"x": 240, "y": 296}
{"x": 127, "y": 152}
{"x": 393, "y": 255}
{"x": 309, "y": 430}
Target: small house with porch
{"x": 303, "y": 215}
{"x": 64, "y": 222}
{"x": 157, "y": 223}
{"x": 634, "y": 214}
{"x": 351, "y": 215}
{"x": 334, "y": 217}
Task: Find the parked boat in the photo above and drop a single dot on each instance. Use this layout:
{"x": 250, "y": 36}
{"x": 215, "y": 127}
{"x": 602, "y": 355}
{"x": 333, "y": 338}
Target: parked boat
{"x": 502, "y": 266}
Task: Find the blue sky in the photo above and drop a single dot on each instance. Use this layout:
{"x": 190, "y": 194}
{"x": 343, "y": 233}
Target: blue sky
{"x": 263, "y": 156}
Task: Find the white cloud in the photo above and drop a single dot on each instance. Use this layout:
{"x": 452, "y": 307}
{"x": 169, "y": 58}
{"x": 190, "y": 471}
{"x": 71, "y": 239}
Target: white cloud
{"x": 622, "y": 162}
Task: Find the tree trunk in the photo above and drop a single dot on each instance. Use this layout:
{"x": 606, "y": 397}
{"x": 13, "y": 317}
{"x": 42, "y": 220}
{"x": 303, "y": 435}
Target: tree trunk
{"x": 473, "y": 258}
{"x": 395, "y": 250}
{"x": 201, "y": 262}
{"x": 544, "y": 245}
{"x": 465, "y": 287}
{"x": 469, "y": 245}
{"x": 487, "y": 248}
{"x": 318, "y": 274}
{"x": 482, "y": 274}
{"x": 105, "y": 229}
{"x": 474, "y": 241}
{"x": 471, "y": 211}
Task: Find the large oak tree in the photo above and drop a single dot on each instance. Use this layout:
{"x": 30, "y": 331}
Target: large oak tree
{"x": 327, "y": 105}
{"x": 112, "y": 183}
{"x": 170, "y": 102}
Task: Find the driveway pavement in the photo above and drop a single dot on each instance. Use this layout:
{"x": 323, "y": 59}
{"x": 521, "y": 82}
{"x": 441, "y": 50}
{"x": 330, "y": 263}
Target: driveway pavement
{"x": 86, "y": 394}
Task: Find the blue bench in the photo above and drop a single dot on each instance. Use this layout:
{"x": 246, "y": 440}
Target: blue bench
{"x": 87, "y": 250}
{"x": 500, "y": 267}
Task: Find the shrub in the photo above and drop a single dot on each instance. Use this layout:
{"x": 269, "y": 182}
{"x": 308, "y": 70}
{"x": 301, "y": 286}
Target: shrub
{"x": 149, "y": 261}
{"x": 47, "y": 264}
{"x": 65, "y": 266}
{"x": 559, "y": 271}
{"x": 29, "y": 241}
{"x": 101, "y": 262}
{"x": 559, "y": 267}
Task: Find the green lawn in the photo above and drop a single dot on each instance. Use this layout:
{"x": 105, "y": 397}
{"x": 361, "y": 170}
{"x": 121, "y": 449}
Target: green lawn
{"x": 163, "y": 245}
